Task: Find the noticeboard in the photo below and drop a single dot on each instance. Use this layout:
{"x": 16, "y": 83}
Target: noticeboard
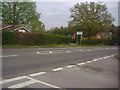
{"x": 79, "y": 33}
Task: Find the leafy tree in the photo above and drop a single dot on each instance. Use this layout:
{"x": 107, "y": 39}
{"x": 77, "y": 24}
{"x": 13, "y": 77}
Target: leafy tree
{"x": 90, "y": 18}
{"x": 15, "y": 13}
{"x": 60, "y": 31}
{"x": 35, "y": 25}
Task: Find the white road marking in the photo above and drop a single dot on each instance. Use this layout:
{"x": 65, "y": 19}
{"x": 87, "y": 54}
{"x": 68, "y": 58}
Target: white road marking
{"x": 47, "y": 84}
{"x": 51, "y": 52}
{"x": 57, "y": 69}
{"x": 68, "y": 51}
{"x": 44, "y": 52}
{"x": 12, "y": 79}
{"x": 88, "y": 50}
{"x": 32, "y": 81}
{"x": 81, "y": 50}
{"x": 9, "y": 56}
{"x": 81, "y": 63}
{"x": 95, "y": 59}
{"x": 70, "y": 66}
{"x": 88, "y": 61}
{"x": 36, "y": 74}
{"x": 20, "y": 85}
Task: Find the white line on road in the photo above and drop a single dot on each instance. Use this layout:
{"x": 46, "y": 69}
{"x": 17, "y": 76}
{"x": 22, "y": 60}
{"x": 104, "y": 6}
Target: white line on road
{"x": 70, "y": 66}
{"x": 12, "y": 79}
{"x": 47, "y": 84}
{"x": 68, "y": 51}
{"x": 51, "y": 52}
{"x": 81, "y": 63}
{"x": 9, "y": 56}
{"x": 57, "y": 69}
{"x": 44, "y": 52}
{"x": 36, "y": 74}
{"x": 88, "y": 61}
{"x": 32, "y": 81}
{"x": 20, "y": 85}
{"x": 96, "y": 59}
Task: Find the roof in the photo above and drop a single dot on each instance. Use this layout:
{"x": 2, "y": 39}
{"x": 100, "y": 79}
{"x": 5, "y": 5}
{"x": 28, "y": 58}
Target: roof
{"x": 9, "y": 27}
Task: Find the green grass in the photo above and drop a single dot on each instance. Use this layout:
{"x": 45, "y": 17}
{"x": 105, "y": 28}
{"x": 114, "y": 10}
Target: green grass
{"x": 53, "y": 45}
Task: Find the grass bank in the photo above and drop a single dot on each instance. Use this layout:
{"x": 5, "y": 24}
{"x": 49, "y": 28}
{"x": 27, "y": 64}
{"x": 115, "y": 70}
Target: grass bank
{"x": 53, "y": 45}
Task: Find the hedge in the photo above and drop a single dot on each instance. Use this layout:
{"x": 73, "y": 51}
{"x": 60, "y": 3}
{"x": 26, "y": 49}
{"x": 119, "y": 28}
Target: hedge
{"x": 8, "y": 37}
{"x": 46, "y": 39}
{"x": 98, "y": 42}
{"x": 33, "y": 38}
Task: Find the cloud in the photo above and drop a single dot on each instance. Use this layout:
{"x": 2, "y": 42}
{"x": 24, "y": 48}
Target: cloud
{"x": 57, "y": 14}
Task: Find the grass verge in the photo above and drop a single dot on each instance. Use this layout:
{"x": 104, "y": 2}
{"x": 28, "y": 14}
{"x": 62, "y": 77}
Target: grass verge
{"x": 53, "y": 45}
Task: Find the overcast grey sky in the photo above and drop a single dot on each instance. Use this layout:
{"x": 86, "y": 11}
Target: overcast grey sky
{"x": 56, "y": 14}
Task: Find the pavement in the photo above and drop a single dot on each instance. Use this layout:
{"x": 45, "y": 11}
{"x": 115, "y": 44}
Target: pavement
{"x": 63, "y": 68}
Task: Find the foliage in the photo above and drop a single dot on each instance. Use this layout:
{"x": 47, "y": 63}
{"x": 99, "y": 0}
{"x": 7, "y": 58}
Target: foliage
{"x": 60, "y": 31}
{"x": 8, "y": 38}
{"x": 16, "y": 13}
{"x": 90, "y": 18}
{"x": 33, "y": 38}
{"x": 35, "y": 25}
{"x": 114, "y": 30}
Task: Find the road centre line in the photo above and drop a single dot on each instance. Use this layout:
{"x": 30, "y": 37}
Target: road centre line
{"x": 57, "y": 69}
{"x": 9, "y": 56}
{"x": 68, "y": 51}
{"x": 88, "y": 61}
{"x": 81, "y": 63}
{"x": 70, "y": 66}
{"x": 51, "y": 52}
{"x": 35, "y": 74}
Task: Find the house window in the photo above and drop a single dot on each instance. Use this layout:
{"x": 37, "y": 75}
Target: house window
{"x": 98, "y": 37}
{"x": 22, "y": 31}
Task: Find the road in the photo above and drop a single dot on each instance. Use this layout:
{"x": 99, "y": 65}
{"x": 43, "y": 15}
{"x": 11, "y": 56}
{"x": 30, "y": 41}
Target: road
{"x": 32, "y": 62}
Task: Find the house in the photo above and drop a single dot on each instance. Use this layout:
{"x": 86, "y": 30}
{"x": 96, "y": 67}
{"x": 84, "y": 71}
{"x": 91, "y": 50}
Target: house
{"x": 20, "y": 29}
{"x": 105, "y": 35}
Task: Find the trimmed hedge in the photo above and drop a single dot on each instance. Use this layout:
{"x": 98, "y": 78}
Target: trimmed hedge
{"x": 8, "y": 37}
{"x": 98, "y": 42}
{"x": 33, "y": 38}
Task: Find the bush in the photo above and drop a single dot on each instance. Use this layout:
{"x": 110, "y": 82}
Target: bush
{"x": 33, "y": 38}
{"x": 8, "y": 37}
{"x": 98, "y": 42}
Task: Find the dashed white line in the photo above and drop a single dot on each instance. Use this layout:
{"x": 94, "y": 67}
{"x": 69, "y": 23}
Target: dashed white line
{"x": 43, "y": 52}
{"x": 88, "y": 61}
{"x": 36, "y": 74}
{"x": 81, "y": 63}
{"x": 95, "y": 59}
{"x": 9, "y": 56}
{"x": 68, "y": 51}
{"x": 57, "y": 69}
{"x": 51, "y": 52}
{"x": 70, "y": 66}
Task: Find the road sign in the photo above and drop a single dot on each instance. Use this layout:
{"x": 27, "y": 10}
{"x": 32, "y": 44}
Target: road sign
{"x": 79, "y": 33}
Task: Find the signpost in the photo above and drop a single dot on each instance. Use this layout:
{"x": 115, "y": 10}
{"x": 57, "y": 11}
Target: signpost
{"x": 79, "y": 34}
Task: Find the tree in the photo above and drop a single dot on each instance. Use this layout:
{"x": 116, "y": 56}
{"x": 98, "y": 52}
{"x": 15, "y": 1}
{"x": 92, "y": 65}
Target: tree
{"x": 15, "y": 13}
{"x": 91, "y": 18}
{"x": 35, "y": 25}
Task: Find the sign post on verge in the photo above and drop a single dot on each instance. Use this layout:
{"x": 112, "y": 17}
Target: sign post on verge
{"x": 79, "y": 34}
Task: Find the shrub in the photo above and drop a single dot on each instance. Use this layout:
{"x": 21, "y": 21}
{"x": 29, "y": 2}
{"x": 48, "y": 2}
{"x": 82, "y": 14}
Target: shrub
{"x": 8, "y": 37}
{"x": 34, "y": 38}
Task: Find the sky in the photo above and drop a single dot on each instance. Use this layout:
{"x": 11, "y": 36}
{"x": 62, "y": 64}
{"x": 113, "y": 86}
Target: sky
{"x": 57, "y": 14}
